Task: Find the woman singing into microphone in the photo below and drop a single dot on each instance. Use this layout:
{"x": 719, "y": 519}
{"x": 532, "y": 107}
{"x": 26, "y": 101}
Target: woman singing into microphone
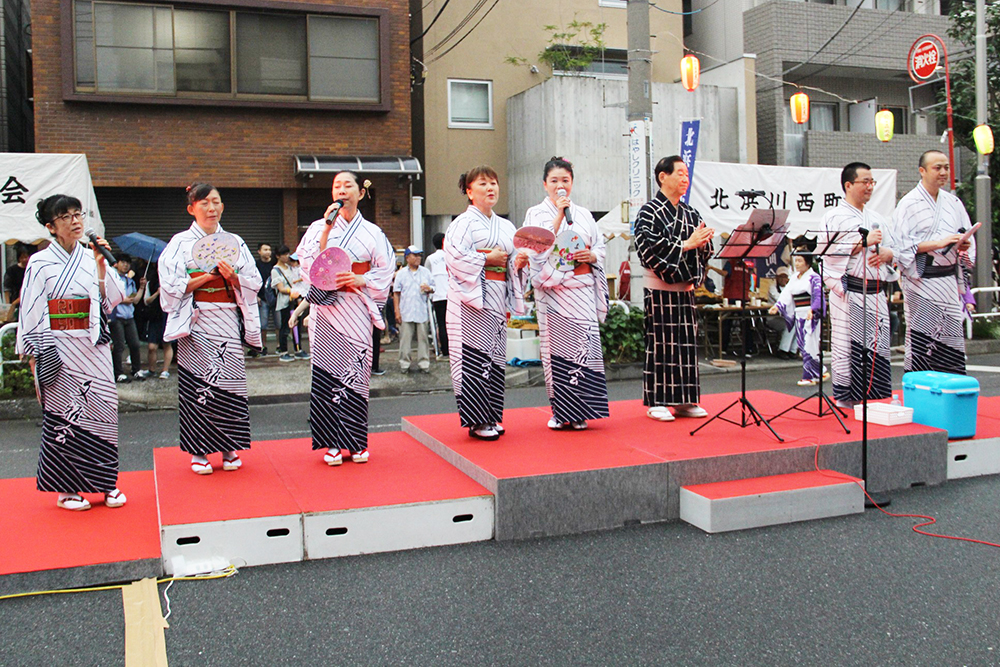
{"x": 485, "y": 281}
{"x": 341, "y": 321}
{"x": 205, "y": 315}
{"x": 63, "y": 330}
{"x": 572, "y": 301}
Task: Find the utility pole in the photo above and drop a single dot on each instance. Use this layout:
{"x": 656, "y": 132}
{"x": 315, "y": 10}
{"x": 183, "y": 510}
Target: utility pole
{"x": 984, "y": 214}
{"x": 640, "y": 104}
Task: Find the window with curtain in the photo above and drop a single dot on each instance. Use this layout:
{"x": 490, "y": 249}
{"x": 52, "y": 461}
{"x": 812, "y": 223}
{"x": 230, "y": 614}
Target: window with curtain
{"x": 201, "y": 51}
{"x": 470, "y": 104}
{"x": 343, "y": 59}
{"x": 133, "y": 47}
{"x": 270, "y": 54}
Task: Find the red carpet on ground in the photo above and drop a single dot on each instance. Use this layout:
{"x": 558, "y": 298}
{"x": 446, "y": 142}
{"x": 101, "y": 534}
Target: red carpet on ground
{"x": 40, "y": 536}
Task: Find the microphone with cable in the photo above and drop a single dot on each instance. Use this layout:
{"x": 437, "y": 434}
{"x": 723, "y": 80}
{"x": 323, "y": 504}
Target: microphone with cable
{"x": 92, "y": 235}
{"x": 333, "y": 214}
{"x": 569, "y": 218}
{"x": 750, "y": 193}
{"x": 947, "y": 248}
{"x": 874, "y": 228}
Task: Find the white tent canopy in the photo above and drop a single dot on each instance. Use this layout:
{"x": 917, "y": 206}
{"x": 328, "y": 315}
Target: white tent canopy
{"x": 28, "y": 178}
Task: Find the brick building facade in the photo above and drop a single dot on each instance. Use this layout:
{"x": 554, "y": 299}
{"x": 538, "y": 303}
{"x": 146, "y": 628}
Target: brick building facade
{"x": 220, "y": 113}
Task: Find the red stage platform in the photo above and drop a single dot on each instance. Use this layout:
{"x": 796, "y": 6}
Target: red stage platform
{"x": 629, "y": 468}
{"x": 49, "y": 547}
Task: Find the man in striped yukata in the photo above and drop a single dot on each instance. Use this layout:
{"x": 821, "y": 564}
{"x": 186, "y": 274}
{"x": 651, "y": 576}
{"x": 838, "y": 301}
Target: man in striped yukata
{"x": 928, "y": 223}
{"x": 860, "y": 362}
{"x": 674, "y": 246}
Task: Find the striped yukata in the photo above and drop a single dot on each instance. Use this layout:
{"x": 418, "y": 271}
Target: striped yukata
{"x": 933, "y": 286}
{"x": 212, "y": 378}
{"x": 844, "y": 272}
{"x": 74, "y": 374}
{"x": 477, "y": 313}
{"x": 803, "y": 294}
{"x": 340, "y": 332}
{"x": 571, "y": 307}
{"x": 670, "y": 373}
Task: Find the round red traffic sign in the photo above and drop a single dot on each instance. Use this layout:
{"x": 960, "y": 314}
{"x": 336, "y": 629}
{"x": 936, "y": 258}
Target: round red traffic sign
{"x": 924, "y": 59}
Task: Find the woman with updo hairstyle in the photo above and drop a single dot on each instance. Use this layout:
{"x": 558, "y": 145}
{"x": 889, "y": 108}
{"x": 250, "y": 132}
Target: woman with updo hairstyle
{"x": 802, "y": 305}
{"x": 341, "y": 320}
{"x": 486, "y": 280}
{"x": 571, "y": 300}
{"x": 206, "y": 315}
{"x": 63, "y": 331}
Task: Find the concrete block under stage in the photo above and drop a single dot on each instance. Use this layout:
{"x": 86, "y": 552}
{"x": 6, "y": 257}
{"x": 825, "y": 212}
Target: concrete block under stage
{"x": 771, "y": 501}
{"x": 48, "y": 548}
{"x": 404, "y": 497}
{"x": 242, "y": 517}
{"x": 629, "y": 468}
{"x": 979, "y": 455}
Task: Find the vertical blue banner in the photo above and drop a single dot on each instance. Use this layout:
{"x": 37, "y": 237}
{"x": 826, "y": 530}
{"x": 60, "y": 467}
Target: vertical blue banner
{"x": 689, "y": 149}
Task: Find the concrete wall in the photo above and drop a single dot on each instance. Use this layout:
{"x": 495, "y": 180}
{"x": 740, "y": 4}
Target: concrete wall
{"x": 835, "y": 149}
{"x": 593, "y": 135}
{"x": 513, "y": 28}
{"x": 740, "y": 76}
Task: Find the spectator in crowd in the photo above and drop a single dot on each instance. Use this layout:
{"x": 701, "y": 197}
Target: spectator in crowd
{"x": 14, "y": 278}
{"x": 439, "y": 299}
{"x": 788, "y": 346}
{"x": 281, "y": 282}
{"x": 266, "y": 298}
{"x": 156, "y": 323}
{"x": 122, "y": 320}
{"x": 298, "y": 286}
{"x": 409, "y": 296}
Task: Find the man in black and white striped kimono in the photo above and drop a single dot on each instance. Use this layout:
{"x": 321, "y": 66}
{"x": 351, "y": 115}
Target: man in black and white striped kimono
{"x": 674, "y": 246}
{"x": 928, "y": 222}
{"x": 860, "y": 362}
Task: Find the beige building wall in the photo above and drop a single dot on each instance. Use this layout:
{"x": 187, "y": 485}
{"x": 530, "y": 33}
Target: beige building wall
{"x": 513, "y": 28}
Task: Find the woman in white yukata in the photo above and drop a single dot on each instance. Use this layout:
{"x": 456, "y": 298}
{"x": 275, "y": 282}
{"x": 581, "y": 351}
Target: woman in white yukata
{"x": 571, "y": 305}
{"x": 485, "y": 282}
{"x": 341, "y": 321}
{"x": 801, "y": 304}
{"x": 63, "y": 330}
{"x": 211, "y": 316}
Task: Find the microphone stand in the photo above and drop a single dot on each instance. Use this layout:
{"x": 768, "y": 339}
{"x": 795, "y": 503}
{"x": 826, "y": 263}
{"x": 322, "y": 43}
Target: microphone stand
{"x": 871, "y": 499}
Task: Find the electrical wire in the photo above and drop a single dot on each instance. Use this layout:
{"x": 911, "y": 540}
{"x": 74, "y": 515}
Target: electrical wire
{"x": 438, "y": 57}
{"x": 221, "y": 574}
{"x": 431, "y": 24}
{"x": 692, "y": 12}
{"x": 458, "y": 28}
{"x": 825, "y": 44}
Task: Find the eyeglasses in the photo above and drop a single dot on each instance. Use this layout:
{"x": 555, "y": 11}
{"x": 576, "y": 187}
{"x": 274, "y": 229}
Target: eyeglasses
{"x": 866, "y": 182}
{"x": 72, "y": 216}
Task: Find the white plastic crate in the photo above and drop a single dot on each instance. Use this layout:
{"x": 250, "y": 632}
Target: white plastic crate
{"x": 885, "y": 414}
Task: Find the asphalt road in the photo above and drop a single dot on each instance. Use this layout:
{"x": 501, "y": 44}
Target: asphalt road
{"x": 859, "y": 590}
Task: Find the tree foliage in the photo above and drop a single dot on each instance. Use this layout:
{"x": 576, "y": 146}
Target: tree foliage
{"x": 963, "y": 95}
{"x": 570, "y": 48}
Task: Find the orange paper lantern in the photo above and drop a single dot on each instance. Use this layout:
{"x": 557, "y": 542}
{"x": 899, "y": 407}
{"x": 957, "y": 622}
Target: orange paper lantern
{"x": 690, "y": 72}
{"x": 884, "y": 125}
{"x": 800, "y": 108}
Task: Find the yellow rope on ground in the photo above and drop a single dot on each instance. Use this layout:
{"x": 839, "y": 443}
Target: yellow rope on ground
{"x": 222, "y": 574}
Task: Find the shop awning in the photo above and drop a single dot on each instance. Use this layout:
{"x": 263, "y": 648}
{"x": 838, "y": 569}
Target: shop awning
{"x": 363, "y": 164}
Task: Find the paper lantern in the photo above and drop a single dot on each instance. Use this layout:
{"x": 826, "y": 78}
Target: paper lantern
{"x": 800, "y": 108}
{"x": 690, "y": 72}
{"x": 884, "y": 124}
{"x": 983, "y": 136}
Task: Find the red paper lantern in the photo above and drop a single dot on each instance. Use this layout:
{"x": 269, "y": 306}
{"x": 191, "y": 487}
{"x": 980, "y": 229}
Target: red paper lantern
{"x": 690, "y": 72}
{"x": 800, "y": 108}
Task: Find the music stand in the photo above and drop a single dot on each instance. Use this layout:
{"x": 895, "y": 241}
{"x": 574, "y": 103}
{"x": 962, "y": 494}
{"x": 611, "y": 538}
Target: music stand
{"x": 762, "y": 233}
{"x": 825, "y": 405}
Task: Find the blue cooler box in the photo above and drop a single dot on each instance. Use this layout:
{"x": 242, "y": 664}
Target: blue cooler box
{"x": 943, "y": 400}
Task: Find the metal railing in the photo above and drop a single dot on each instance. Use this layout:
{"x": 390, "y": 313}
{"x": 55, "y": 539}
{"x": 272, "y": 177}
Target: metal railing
{"x": 982, "y": 316}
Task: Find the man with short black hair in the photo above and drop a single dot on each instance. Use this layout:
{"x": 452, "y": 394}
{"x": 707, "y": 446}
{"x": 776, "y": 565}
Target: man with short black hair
{"x": 266, "y": 301}
{"x": 929, "y": 221}
{"x": 14, "y": 277}
{"x": 856, "y": 269}
{"x": 674, "y": 245}
{"x": 439, "y": 299}
{"x": 122, "y": 324}
{"x": 409, "y": 295}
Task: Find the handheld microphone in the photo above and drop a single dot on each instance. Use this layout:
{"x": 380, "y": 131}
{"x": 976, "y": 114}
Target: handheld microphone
{"x": 874, "y": 227}
{"x": 947, "y": 249}
{"x": 333, "y": 214}
{"x": 92, "y": 235}
{"x": 569, "y": 218}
